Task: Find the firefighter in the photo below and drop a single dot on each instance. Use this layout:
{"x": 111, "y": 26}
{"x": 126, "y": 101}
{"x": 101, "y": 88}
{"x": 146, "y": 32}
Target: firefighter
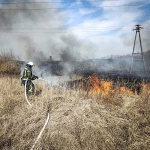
{"x": 28, "y": 74}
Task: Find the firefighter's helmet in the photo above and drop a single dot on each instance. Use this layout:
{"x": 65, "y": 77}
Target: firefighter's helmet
{"x": 30, "y": 63}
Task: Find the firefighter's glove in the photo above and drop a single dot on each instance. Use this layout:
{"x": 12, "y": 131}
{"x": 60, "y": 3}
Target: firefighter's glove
{"x": 34, "y": 77}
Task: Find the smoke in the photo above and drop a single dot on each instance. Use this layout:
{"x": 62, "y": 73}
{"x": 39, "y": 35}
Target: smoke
{"x": 30, "y": 32}
{"x": 34, "y": 33}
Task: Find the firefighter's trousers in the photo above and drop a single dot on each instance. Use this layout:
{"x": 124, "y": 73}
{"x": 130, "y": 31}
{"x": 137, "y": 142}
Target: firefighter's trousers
{"x": 29, "y": 87}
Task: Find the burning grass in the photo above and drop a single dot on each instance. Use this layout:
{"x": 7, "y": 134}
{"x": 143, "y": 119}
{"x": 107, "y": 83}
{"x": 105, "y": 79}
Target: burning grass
{"x": 78, "y": 120}
{"x": 104, "y": 88}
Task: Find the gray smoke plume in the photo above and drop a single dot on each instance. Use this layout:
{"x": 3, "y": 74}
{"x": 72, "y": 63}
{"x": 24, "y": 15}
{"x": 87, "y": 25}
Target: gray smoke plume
{"x": 34, "y": 34}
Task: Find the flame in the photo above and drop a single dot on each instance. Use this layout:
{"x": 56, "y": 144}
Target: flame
{"x": 103, "y": 88}
{"x": 99, "y": 86}
{"x": 125, "y": 90}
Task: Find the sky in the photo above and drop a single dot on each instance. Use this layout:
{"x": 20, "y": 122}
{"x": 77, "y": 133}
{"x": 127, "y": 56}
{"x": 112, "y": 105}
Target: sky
{"x": 107, "y": 24}
{"x": 79, "y": 29}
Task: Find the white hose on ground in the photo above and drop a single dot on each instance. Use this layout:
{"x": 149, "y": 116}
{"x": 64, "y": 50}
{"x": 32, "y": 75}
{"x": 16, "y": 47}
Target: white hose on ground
{"x": 40, "y": 132}
{"x": 26, "y": 92}
{"x": 45, "y": 122}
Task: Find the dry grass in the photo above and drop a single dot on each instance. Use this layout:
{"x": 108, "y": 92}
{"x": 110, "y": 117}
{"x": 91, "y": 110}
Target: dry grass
{"x": 77, "y": 121}
{"x": 8, "y": 65}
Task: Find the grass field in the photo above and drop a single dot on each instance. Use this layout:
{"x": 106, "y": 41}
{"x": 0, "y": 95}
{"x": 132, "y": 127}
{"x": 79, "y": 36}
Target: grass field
{"x": 78, "y": 121}
{"x": 8, "y": 66}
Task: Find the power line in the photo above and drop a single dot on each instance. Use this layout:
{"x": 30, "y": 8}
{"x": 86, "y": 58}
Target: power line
{"x": 61, "y": 28}
{"x": 52, "y": 2}
{"x": 76, "y": 28}
{"x": 74, "y": 7}
{"x": 71, "y": 28}
{"x": 65, "y": 31}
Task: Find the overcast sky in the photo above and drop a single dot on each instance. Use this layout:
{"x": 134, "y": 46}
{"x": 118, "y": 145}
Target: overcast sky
{"x": 85, "y": 28}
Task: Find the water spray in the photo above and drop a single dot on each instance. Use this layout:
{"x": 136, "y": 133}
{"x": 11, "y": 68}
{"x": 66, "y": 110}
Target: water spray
{"x": 49, "y": 81}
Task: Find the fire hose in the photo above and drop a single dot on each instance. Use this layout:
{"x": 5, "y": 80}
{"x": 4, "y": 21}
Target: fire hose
{"x": 26, "y": 89}
{"x": 26, "y": 92}
{"x": 40, "y": 132}
{"x": 45, "y": 122}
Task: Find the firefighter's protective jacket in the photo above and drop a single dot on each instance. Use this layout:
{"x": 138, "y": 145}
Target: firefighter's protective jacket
{"x": 27, "y": 73}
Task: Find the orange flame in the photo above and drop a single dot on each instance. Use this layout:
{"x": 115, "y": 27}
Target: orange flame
{"x": 125, "y": 90}
{"x": 103, "y": 88}
{"x": 99, "y": 86}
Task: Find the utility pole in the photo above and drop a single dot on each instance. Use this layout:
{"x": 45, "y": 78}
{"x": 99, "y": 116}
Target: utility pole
{"x": 138, "y": 58}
